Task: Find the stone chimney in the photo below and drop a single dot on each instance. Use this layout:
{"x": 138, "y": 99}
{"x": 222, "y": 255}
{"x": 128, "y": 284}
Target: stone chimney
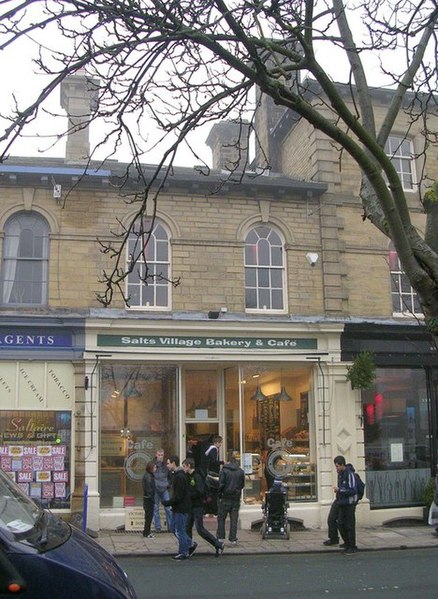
{"x": 228, "y": 142}
{"x": 78, "y": 98}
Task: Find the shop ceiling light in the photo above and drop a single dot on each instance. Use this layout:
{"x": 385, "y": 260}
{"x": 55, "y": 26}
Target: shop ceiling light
{"x": 258, "y": 395}
{"x": 283, "y": 395}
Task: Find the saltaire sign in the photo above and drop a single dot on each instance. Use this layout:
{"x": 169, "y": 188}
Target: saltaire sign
{"x": 181, "y": 342}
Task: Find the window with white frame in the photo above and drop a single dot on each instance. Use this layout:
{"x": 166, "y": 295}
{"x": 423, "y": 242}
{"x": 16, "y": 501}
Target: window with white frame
{"x": 25, "y": 260}
{"x": 264, "y": 270}
{"x": 148, "y": 285}
{"x": 399, "y": 149}
{"x": 404, "y": 298}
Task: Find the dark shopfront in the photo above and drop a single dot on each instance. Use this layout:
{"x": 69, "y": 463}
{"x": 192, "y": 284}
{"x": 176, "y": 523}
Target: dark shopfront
{"x": 399, "y": 413}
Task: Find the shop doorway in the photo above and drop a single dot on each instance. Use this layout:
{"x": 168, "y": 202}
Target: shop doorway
{"x": 202, "y": 409}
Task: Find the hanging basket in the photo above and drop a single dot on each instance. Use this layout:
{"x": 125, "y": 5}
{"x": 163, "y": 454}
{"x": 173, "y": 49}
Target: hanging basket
{"x": 362, "y": 373}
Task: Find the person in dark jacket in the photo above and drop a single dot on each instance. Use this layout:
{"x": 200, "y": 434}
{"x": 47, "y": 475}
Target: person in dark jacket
{"x": 231, "y": 483}
{"x": 196, "y": 516}
{"x": 148, "y": 483}
{"x": 181, "y": 506}
{"x": 346, "y": 497}
{"x": 209, "y": 470}
{"x": 210, "y": 461}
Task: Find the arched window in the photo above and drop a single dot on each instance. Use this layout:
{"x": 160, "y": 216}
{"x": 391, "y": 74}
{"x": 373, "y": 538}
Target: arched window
{"x": 404, "y": 298}
{"x": 264, "y": 270}
{"x": 155, "y": 293}
{"x": 25, "y": 260}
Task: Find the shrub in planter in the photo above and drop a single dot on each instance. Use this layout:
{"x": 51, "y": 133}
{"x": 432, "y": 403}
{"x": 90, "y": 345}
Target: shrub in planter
{"x": 429, "y": 492}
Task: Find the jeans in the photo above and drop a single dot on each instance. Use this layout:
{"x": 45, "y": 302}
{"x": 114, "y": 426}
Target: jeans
{"x": 347, "y": 524}
{"x": 197, "y": 518}
{"x": 227, "y": 506}
{"x": 332, "y": 522}
{"x": 180, "y": 525}
{"x": 161, "y": 496}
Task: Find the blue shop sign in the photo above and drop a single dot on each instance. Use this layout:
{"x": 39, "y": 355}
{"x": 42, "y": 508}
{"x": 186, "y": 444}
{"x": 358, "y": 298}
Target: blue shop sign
{"x": 28, "y": 339}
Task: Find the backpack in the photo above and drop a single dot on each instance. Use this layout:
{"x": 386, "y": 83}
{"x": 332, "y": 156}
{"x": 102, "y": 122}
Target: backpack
{"x": 360, "y": 485}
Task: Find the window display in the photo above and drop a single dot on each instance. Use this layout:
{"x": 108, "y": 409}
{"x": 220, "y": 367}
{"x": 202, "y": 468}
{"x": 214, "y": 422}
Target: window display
{"x": 276, "y": 432}
{"x": 35, "y": 453}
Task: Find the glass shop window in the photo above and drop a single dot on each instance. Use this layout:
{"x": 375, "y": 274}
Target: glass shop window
{"x": 138, "y": 416}
{"x": 396, "y": 430}
{"x": 276, "y": 431}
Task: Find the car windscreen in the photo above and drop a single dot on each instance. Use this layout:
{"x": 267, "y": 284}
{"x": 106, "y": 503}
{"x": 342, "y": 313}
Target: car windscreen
{"x": 18, "y": 513}
{"x": 28, "y": 523}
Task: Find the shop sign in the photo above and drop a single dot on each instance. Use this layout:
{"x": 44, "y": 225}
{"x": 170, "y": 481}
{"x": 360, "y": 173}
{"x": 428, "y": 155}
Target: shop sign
{"x": 32, "y": 384}
{"x": 183, "y": 342}
{"x": 22, "y": 339}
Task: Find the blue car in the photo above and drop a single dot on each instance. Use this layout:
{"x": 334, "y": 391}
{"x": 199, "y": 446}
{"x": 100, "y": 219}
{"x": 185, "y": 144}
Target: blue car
{"x": 42, "y": 556}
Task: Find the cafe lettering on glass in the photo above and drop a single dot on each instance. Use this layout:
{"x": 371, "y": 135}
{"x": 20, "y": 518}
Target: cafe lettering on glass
{"x": 35, "y": 453}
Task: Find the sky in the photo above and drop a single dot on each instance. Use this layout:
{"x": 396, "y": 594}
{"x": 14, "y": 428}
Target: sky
{"x": 19, "y": 78}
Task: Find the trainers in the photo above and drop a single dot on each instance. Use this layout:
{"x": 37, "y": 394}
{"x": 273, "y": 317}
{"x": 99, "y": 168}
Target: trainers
{"x": 233, "y": 542}
{"x": 350, "y": 550}
{"x": 192, "y": 549}
{"x": 330, "y": 542}
{"x": 220, "y": 549}
{"x": 180, "y": 557}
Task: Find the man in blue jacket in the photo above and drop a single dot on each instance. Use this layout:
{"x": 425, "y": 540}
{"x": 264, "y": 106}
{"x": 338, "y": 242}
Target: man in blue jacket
{"x": 346, "y": 497}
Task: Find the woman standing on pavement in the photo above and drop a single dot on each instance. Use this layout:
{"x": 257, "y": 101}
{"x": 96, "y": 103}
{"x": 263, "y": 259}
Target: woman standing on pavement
{"x": 148, "y": 498}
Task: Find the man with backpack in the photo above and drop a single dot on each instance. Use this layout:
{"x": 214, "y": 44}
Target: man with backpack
{"x": 346, "y": 499}
{"x": 197, "y": 494}
{"x": 332, "y": 519}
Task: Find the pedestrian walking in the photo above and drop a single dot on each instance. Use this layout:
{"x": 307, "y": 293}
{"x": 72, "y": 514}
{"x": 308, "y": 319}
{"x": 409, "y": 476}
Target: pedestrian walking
{"x": 180, "y": 503}
{"x": 346, "y": 496}
{"x": 161, "y": 492}
{"x": 231, "y": 483}
{"x": 196, "y": 516}
{"x": 148, "y": 483}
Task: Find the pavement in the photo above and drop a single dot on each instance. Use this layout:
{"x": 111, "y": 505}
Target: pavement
{"x": 305, "y": 540}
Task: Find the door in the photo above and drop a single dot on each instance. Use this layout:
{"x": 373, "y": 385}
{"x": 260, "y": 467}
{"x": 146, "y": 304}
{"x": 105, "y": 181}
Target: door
{"x": 202, "y": 409}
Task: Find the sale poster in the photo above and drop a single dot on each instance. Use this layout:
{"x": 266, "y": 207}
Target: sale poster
{"x": 35, "y": 449}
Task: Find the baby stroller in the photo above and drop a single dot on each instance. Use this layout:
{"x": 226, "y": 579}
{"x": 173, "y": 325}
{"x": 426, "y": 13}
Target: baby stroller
{"x": 275, "y": 524}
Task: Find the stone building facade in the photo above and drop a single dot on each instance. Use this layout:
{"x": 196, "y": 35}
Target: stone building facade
{"x": 281, "y": 285}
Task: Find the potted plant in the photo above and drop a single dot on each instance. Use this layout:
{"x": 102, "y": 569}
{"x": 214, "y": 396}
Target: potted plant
{"x": 362, "y": 372}
{"x": 428, "y": 497}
